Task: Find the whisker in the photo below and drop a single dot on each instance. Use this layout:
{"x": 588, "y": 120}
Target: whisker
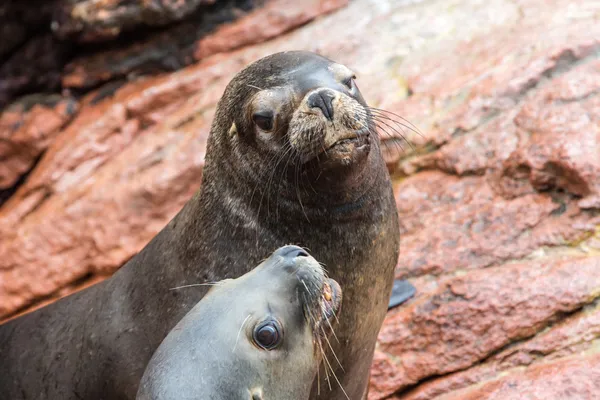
{"x": 196, "y": 284}
{"x": 380, "y": 110}
{"x": 379, "y": 120}
{"x": 335, "y": 376}
{"x": 238, "y": 334}
{"x": 332, "y": 352}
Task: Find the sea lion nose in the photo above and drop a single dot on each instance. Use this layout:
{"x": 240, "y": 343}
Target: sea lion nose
{"x": 290, "y": 252}
{"x": 322, "y": 99}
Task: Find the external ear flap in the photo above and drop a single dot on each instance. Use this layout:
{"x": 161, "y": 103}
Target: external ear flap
{"x": 233, "y": 130}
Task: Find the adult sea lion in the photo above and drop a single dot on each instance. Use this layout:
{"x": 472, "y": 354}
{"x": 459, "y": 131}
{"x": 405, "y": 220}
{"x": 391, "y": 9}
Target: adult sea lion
{"x": 260, "y": 336}
{"x": 292, "y": 158}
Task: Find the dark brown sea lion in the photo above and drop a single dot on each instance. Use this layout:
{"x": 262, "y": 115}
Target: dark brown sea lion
{"x": 293, "y": 157}
{"x": 256, "y": 337}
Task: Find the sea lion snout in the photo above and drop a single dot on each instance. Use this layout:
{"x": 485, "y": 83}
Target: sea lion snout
{"x": 330, "y": 123}
{"x": 322, "y": 99}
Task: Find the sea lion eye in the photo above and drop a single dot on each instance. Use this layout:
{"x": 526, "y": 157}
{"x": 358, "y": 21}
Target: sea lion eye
{"x": 264, "y": 120}
{"x": 268, "y": 335}
{"x": 349, "y": 82}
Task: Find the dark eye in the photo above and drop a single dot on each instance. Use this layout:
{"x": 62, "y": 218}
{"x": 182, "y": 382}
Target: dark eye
{"x": 264, "y": 120}
{"x": 349, "y": 82}
{"x": 268, "y": 335}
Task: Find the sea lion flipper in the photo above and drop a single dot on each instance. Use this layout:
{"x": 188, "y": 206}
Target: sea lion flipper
{"x": 401, "y": 292}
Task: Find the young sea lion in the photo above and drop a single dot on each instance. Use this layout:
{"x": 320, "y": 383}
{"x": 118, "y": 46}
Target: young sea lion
{"x": 260, "y": 336}
{"x": 292, "y": 157}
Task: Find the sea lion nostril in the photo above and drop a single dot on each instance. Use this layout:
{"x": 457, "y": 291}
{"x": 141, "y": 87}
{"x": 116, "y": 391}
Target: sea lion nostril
{"x": 322, "y": 100}
{"x": 297, "y": 253}
{"x": 291, "y": 252}
{"x": 302, "y": 253}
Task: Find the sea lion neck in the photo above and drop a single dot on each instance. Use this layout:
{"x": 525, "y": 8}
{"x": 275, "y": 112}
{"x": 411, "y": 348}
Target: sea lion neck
{"x": 291, "y": 191}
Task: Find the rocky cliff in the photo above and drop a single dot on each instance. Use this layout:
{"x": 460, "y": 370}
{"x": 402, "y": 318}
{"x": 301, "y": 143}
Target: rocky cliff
{"x": 498, "y": 191}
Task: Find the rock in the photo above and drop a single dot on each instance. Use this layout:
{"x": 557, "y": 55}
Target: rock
{"x": 576, "y": 335}
{"x": 577, "y": 378}
{"x": 561, "y": 153}
{"x": 450, "y": 224}
{"x": 35, "y": 66}
{"x": 89, "y": 20}
{"x": 469, "y": 317}
{"x": 81, "y": 44}
{"x": 19, "y": 20}
{"x": 26, "y": 130}
{"x": 190, "y": 42}
{"x": 74, "y": 182}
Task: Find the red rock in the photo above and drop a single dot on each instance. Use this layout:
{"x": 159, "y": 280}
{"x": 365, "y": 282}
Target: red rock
{"x": 573, "y": 378}
{"x": 26, "y": 131}
{"x": 144, "y": 186}
{"x": 562, "y": 150}
{"x": 575, "y": 335}
{"x": 473, "y": 315}
{"x": 103, "y": 130}
{"x": 449, "y": 224}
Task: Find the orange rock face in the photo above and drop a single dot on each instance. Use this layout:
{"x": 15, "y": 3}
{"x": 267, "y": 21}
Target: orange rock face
{"x": 499, "y": 195}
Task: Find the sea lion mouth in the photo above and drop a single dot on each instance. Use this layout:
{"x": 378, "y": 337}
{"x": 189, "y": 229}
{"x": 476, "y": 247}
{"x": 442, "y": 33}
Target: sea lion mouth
{"x": 331, "y": 299}
{"x": 350, "y": 142}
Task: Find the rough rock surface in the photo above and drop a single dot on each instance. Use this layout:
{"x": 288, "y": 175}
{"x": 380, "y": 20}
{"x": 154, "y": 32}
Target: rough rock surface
{"x": 91, "y": 20}
{"x": 78, "y": 45}
{"x": 499, "y": 195}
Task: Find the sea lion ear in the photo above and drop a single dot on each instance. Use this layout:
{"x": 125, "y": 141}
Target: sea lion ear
{"x": 233, "y": 130}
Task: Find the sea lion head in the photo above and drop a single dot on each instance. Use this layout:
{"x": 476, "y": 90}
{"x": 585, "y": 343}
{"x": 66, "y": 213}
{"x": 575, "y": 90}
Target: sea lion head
{"x": 260, "y": 336}
{"x": 298, "y": 112}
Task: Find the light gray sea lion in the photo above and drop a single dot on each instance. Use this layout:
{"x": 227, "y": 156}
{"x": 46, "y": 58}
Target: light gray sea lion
{"x": 260, "y": 336}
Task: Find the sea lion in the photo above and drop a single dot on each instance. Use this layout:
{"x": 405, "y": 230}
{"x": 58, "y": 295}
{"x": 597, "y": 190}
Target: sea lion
{"x": 260, "y": 336}
{"x": 293, "y": 157}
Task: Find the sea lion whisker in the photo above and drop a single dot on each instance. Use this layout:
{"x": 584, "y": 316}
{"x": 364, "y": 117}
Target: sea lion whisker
{"x": 372, "y": 129}
{"x": 272, "y": 179}
{"x": 289, "y": 150}
{"x": 377, "y": 121}
{"x": 328, "y": 364}
{"x": 332, "y": 351}
{"x": 398, "y": 123}
{"x": 324, "y": 267}
{"x": 387, "y": 142}
{"x": 239, "y": 332}
{"x": 253, "y": 86}
{"x": 278, "y": 158}
{"x": 259, "y": 181}
{"x": 298, "y": 194}
{"x": 331, "y": 326}
{"x": 318, "y": 380}
{"x": 391, "y": 139}
{"x": 380, "y": 110}
{"x": 335, "y": 377}
{"x": 402, "y": 135}
{"x": 307, "y": 289}
{"x": 324, "y": 357}
{"x": 196, "y": 284}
